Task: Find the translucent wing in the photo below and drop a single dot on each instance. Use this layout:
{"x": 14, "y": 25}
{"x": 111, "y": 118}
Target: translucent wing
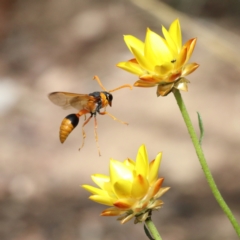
{"x": 67, "y": 100}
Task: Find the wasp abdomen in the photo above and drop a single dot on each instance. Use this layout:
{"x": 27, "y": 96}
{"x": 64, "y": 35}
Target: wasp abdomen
{"x": 67, "y": 125}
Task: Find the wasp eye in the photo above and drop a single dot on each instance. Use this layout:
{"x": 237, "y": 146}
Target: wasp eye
{"x": 110, "y": 97}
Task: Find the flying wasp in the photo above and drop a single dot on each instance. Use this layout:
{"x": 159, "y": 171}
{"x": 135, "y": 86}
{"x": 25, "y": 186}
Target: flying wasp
{"x": 86, "y": 104}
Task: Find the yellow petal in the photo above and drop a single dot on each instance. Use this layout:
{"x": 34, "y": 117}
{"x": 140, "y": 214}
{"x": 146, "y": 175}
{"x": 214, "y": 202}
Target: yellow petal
{"x": 131, "y": 67}
{"x": 190, "y": 44}
{"x": 170, "y": 42}
{"x": 157, "y": 185}
{"x": 122, "y": 188}
{"x": 176, "y": 34}
{"x": 181, "y": 58}
{"x": 130, "y": 164}
{"x": 148, "y": 50}
{"x": 154, "y": 168}
{"x": 156, "y": 48}
{"x": 163, "y": 69}
{"x": 95, "y": 191}
{"x": 119, "y": 171}
{"x": 142, "y": 60}
{"x": 174, "y": 77}
{"x": 140, "y": 187}
{"x": 189, "y": 68}
{"x": 160, "y": 79}
{"x": 142, "y": 165}
{"x": 100, "y": 179}
{"x": 132, "y": 41}
{"x": 105, "y": 200}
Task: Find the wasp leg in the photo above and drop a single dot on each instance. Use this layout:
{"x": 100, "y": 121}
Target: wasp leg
{"x": 114, "y": 118}
{"x": 83, "y": 132}
{"x": 96, "y": 135}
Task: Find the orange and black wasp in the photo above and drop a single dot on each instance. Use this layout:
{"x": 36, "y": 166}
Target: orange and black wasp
{"x": 86, "y": 104}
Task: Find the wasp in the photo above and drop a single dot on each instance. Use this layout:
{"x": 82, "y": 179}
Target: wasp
{"x": 86, "y": 104}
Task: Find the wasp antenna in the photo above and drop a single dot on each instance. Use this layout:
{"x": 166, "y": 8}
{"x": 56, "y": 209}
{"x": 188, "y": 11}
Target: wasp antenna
{"x": 99, "y": 82}
{"x": 123, "y": 86}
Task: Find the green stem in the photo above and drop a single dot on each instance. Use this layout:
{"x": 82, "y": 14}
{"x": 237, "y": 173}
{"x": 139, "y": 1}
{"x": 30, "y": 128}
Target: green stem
{"x": 152, "y": 229}
{"x": 203, "y": 162}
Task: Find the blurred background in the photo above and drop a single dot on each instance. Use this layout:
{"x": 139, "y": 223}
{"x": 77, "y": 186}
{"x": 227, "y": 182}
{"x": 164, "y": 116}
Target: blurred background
{"x": 59, "y": 45}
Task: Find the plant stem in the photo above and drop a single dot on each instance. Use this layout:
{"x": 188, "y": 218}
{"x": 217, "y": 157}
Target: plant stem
{"x": 203, "y": 162}
{"x": 152, "y": 229}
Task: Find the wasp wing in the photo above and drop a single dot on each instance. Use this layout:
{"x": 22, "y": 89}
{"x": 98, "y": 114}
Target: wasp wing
{"x": 67, "y": 100}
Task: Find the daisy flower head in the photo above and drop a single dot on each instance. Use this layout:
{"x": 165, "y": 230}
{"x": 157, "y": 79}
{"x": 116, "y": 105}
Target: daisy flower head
{"x": 161, "y": 62}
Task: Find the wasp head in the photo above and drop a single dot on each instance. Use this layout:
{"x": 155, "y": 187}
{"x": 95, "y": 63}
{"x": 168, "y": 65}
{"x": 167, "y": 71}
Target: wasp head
{"x": 109, "y": 98}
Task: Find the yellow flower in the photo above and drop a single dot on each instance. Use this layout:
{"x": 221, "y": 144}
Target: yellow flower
{"x": 132, "y": 189}
{"x": 161, "y": 62}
